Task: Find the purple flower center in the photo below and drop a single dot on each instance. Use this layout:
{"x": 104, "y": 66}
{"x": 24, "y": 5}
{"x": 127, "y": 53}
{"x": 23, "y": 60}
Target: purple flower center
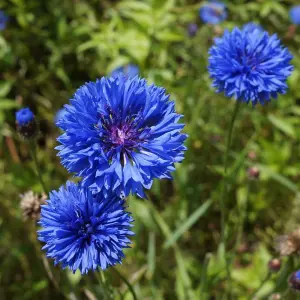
{"x": 121, "y": 134}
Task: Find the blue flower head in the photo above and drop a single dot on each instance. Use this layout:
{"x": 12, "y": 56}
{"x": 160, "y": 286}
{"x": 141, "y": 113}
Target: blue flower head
{"x": 250, "y": 66}
{"x": 24, "y": 116}
{"x": 295, "y": 14}
{"x": 26, "y": 123}
{"x": 128, "y": 71}
{"x": 84, "y": 231}
{"x": 120, "y": 134}
{"x": 213, "y": 12}
{"x": 3, "y": 20}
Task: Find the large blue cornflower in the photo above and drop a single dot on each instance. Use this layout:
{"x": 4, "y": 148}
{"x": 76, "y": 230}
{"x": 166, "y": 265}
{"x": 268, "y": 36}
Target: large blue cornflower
{"x": 120, "y": 134}
{"x": 3, "y": 20}
{"x": 250, "y": 66}
{"x": 213, "y": 12}
{"x": 128, "y": 71}
{"x": 295, "y": 14}
{"x": 84, "y": 231}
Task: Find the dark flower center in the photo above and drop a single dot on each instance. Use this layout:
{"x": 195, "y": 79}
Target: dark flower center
{"x": 121, "y": 133}
{"x": 85, "y": 230}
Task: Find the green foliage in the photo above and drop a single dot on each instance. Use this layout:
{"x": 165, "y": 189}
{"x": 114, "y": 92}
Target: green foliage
{"x": 50, "y": 48}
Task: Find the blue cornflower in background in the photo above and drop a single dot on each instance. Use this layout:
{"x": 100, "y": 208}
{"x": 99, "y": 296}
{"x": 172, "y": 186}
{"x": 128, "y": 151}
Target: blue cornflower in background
{"x": 295, "y": 15}
{"x": 24, "y": 116}
{"x": 26, "y": 123}
{"x": 213, "y": 12}
{"x": 192, "y": 29}
{"x": 3, "y": 20}
{"x": 250, "y": 27}
{"x": 128, "y": 71}
{"x": 120, "y": 134}
{"x": 84, "y": 231}
{"x": 250, "y": 66}
{"x": 294, "y": 281}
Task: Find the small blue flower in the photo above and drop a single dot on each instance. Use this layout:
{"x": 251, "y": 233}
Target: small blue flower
{"x": 84, "y": 231}
{"x": 295, "y": 15}
{"x": 250, "y": 27}
{"x": 120, "y": 134}
{"x": 24, "y": 116}
{"x": 128, "y": 71}
{"x": 26, "y": 124}
{"x": 192, "y": 29}
{"x": 250, "y": 66}
{"x": 3, "y": 20}
{"x": 213, "y": 12}
{"x": 294, "y": 281}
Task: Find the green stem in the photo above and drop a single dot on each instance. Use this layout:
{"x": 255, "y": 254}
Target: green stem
{"x": 38, "y": 169}
{"x": 243, "y": 214}
{"x": 130, "y": 287}
{"x": 224, "y": 189}
{"x": 261, "y": 285}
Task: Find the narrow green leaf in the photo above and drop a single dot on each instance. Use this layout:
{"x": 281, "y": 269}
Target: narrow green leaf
{"x": 282, "y": 125}
{"x": 191, "y": 220}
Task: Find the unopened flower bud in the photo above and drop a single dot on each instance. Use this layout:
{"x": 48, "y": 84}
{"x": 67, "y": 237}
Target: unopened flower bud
{"x": 192, "y": 29}
{"x": 253, "y": 173}
{"x": 274, "y": 265}
{"x": 26, "y": 123}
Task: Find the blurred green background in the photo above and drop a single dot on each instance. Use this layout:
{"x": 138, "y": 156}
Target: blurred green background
{"x": 50, "y": 48}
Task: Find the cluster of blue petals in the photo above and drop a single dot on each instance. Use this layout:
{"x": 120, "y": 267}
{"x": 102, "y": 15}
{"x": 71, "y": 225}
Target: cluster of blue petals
{"x": 120, "y": 134}
{"x": 295, "y": 15}
{"x": 251, "y": 27}
{"x": 84, "y": 231}
{"x": 213, "y": 12}
{"x": 24, "y": 116}
{"x": 129, "y": 71}
{"x": 3, "y": 20}
{"x": 249, "y": 66}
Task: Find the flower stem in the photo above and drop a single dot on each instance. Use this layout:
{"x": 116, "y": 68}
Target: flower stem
{"x": 130, "y": 287}
{"x": 261, "y": 285}
{"x": 224, "y": 190}
{"x": 38, "y": 169}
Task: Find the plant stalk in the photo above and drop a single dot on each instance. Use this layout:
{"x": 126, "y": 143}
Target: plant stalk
{"x": 224, "y": 190}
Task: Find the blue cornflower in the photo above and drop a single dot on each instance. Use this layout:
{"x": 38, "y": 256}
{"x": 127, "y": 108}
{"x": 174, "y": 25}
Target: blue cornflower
{"x": 250, "y": 66}
{"x": 26, "y": 123}
{"x": 24, "y": 116}
{"x": 295, "y": 14}
{"x": 250, "y": 27}
{"x": 213, "y": 12}
{"x": 294, "y": 281}
{"x": 84, "y": 231}
{"x": 192, "y": 29}
{"x": 128, "y": 71}
{"x": 3, "y": 20}
{"x": 120, "y": 134}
